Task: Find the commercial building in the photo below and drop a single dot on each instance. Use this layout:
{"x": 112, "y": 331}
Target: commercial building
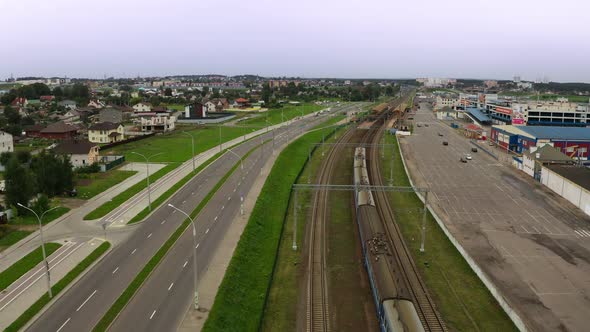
{"x": 572, "y": 141}
{"x": 536, "y": 157}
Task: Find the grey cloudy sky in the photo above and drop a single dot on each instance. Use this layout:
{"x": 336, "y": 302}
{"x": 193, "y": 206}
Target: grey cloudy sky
{"x": 309, "y": 38}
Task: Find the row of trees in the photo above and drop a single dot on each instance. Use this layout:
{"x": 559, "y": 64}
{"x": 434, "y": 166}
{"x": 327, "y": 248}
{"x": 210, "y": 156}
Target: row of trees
{"x": 12, "y": 122}
{"x": 27, "y": 176}
{"x": 78, "y": 92}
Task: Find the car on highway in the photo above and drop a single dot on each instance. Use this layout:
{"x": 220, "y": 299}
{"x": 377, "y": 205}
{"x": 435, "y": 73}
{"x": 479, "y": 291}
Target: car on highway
{"x": 445, "y": 143}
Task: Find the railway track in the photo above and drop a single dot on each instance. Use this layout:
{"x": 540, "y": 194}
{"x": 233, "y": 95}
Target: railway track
{"x": 430, "y": 318}
{"x": 317, "y": 302}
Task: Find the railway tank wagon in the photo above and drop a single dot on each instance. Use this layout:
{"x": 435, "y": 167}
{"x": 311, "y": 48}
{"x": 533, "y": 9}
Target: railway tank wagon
{"x": 396, "y": 311}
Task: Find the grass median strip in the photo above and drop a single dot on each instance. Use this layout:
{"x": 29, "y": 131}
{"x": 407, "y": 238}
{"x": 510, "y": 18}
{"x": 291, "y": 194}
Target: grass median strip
{"x": 162, "y": 198}
{"x": 23, "y": 319}
{"x": 25, "y": 264}
{"x": 462, "y": 299}
{"x": 121, "y": 198}
{"x": 127, "y": 294}
{"x": 241, "y": 297}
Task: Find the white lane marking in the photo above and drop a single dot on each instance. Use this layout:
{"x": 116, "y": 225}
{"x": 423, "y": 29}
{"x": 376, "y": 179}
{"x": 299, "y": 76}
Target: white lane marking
{"x": 229, "y": 198}
{"x": 193, "y": 193}
{"x": 64, "y": 324}
{"x": 170, "y": 287}
{"x": 239, "y": 183}
{"x": 173, "y": 211}
{"x": 149, "y": 235}
{"x": 184, "y": 265}
{"x": 115, "y": 270}
{"x": 183, "y": 202}
{"x": 134, "y": 250}
{"x": 586, "y": 232}
{"x": 198, "y": 244}
{"x": 88, "y": 299}
{"x": 152, "y": 315}
{"x": 207, "y": 231}
{"x": 235, "y": 189}
{"x": 163, "y": 222}
{"x": 223, "y": 207}
{"x": 215, "y": 219}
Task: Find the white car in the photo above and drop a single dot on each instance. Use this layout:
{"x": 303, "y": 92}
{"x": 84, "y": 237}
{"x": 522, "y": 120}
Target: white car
{"x": 468, "y": 157}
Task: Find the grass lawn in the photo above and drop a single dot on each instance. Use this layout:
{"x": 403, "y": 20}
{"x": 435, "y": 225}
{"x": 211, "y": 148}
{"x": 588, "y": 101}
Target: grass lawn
{"x": 241, "y": 297}
{"x": 274, "y": 115}
{"x": 30, "y": 219}
{"x": 462, "y": 299}
{"x": 57, "y": 288}
{"x": 176, "y": 146}
{"x": 25, "y": 264}
{"x": 93, "y": 184}
{"x": 9, "y": 237}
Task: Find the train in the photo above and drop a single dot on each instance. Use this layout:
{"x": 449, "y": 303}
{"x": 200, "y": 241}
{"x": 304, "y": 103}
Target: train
{"x": 395, "y": 310}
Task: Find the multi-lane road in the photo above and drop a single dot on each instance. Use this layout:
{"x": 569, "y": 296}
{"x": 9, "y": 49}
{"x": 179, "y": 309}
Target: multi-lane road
{"x": 520, "y": 234}
{"x": 163, "y": 299}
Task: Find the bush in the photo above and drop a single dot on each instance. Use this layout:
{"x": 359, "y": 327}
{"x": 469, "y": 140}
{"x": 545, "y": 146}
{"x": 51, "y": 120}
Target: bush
{"x": 94, "y": 168}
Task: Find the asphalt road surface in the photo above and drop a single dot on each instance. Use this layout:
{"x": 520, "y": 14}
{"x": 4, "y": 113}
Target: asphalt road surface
{"x": 85, "y": 303}
{"x": 525, "y": 238}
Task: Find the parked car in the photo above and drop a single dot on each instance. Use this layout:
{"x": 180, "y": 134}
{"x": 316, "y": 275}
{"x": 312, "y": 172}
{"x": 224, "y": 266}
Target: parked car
{"x": 468, "y": 156}
{"x": 445, "y": 143}
{"x": 473, "y": 149}
{"x": 463, "y": 160}
{"x": 419, "y": 125}
{"x": 439, "y": 134}
{"x": 426, "y": 125}
{"x": 491, "y": 143}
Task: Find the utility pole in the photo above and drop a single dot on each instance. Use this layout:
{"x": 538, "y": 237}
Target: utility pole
{"x": 424, "y": 214}
{"x": 39, "y": 218}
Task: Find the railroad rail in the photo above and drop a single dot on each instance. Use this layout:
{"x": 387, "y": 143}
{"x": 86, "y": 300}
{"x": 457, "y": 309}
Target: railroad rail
{"x": 317, "y": 302}
{"x": 430, "y": 318}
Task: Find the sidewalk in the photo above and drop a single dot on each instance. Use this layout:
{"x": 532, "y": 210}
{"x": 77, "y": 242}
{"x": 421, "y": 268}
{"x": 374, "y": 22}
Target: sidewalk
{"x": 19, "y": 296}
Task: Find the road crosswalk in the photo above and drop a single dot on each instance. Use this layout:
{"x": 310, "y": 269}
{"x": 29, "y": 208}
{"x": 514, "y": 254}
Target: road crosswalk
{"x": 582, "y": 232}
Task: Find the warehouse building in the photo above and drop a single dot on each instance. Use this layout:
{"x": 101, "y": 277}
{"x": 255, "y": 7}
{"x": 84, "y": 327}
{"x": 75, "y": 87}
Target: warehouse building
{"x": 573, "y": 141}
{"x": 570, "y": 182}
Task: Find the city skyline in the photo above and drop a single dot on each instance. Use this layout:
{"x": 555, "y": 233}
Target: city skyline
{"x": 373, "y": 39}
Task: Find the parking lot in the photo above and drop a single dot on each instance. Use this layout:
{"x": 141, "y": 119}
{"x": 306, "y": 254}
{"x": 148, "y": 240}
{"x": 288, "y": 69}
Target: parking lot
{"x": 533, "y": 244}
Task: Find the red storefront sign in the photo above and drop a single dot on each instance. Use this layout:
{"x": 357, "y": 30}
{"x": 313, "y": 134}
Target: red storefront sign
{"x": 504, "y": 110}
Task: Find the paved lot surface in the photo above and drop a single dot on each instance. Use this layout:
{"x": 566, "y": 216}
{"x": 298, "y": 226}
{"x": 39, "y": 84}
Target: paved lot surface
{"x": 533, "y": 244}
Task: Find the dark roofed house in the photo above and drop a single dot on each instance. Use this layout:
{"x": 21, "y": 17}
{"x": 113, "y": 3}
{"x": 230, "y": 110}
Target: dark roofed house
{"x": 111, "y": 115}
{"x": 81, "y": 152}
{"x": 59, "y": 130}
{"x": 33, "y": 130}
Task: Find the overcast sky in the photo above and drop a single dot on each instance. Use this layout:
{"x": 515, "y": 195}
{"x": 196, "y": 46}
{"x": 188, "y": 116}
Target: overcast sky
{"x": 309, "y": 38}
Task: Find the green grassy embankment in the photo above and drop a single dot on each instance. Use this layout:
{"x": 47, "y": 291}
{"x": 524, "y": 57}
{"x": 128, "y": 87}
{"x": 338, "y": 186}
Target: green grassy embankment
{"x": 462, "y": 299}
{"x": 99, "y": 182}
{"x": 243, "y": 292}
{"x": 25, "y": 264}
{"x": 23, "y": 319}
{"x": 275, "y": 115}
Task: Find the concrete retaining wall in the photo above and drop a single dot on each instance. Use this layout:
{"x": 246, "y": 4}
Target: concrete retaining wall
{"x": 574, "y": 193}
{"x": 518, "y": 322}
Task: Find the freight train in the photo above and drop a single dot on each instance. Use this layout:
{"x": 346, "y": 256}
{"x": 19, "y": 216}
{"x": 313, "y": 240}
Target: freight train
{"x": 395, "y": 309}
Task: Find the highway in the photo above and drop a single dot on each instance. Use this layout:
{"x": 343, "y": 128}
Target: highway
{"x": 84, "y": 304}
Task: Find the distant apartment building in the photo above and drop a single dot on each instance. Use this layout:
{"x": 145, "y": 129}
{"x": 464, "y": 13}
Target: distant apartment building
{"x": 490, "y": 84}
{"x": 433, "y": 82}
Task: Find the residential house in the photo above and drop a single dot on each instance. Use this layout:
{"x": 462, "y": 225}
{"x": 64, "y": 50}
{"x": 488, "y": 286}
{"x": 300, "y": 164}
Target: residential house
{"x": 81, "y": 152}
{"x": 536, "y": 157}
{"x": 110, "y": 115}
{"x": 71, "y": 116}
{"x": 241, "y": 102}
{"x": 33, "y": 130}
{"x": 59, "y": 130}
{"x": 6, "y": 142}
{"x": 106, "y": 132}
{"x": 157, "y": 123}
{"x": 216, "y": 105}
{"x": 195, "y": 111}
{"x": 68, "y": 104}
{"x": 142, "y": 108}
{"x": 19, "y": 102}
{"x": 46, "y": 99}
{"x": 96, "y": 103}
{"x": 87, "y": 114}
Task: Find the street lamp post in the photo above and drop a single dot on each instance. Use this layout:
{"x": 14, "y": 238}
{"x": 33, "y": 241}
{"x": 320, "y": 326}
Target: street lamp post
{"x": 273, "y": 136}
{"x": 193, "y": 148}
{"x": 39, "y": 218}
{"x": 147, "y": 166}
{"x": 194, "y": 255}
{"x": 220, "y": 143}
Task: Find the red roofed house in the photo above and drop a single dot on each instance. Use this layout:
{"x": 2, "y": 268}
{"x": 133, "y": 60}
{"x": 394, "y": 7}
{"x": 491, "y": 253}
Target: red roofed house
{"x": 20, "y": 102}
{"x": 46, "y": 99}
{"x": 241, "y": 102}
{"x": 59, "y": 130}
{"x": 473, "y": 131}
